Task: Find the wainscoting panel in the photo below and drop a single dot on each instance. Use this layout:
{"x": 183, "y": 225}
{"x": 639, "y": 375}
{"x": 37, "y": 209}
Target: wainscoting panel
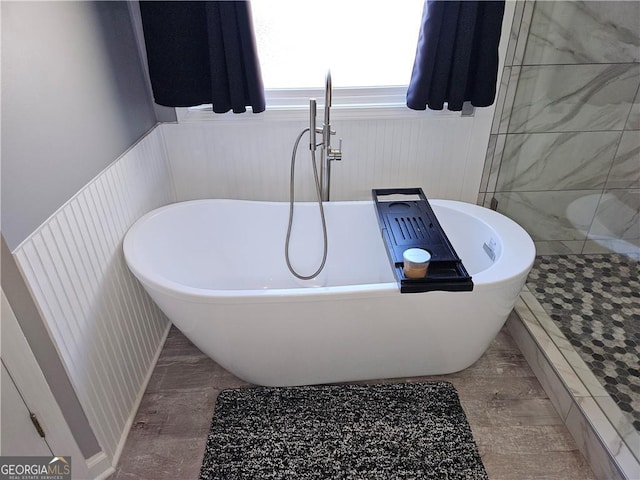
{"x": 250, "y": 159}
{"x": 105, "y": 328}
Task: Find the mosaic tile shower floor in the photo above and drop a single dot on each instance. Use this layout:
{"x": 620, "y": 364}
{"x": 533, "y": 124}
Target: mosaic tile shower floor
{"x": 595, "y": 301}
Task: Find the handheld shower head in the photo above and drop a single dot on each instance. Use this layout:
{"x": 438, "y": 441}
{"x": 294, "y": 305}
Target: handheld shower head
{"x": 327, "y": 98}
{"x": 312, "y": 124}
{"x": 326, "y": 128}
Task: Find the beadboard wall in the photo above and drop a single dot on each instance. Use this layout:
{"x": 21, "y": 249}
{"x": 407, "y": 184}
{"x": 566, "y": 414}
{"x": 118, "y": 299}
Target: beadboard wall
{"x": 106, "y": 329}
{"x": 247, "y": 158}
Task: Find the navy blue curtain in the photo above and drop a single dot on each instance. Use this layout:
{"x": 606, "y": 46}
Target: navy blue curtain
{"x": 203, "y": 52}
{"x": 457, "y": 55}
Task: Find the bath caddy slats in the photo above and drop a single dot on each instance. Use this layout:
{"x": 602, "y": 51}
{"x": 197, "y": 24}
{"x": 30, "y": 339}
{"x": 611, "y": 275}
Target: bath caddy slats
{"x": 407, "y": 221}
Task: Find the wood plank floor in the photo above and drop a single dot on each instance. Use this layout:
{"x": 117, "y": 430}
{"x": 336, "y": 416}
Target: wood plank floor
{"x": 519, "y": 434}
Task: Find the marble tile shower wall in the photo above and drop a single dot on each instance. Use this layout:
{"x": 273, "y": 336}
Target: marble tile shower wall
{"x": 564, "y": 151}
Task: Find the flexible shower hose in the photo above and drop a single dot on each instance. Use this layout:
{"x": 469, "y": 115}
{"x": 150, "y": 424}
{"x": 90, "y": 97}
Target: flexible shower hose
{"x": 291, "y": 205}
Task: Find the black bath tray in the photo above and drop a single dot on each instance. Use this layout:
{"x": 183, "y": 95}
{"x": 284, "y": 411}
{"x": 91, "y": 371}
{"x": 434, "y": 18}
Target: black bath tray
{"x": 407, "y": 220}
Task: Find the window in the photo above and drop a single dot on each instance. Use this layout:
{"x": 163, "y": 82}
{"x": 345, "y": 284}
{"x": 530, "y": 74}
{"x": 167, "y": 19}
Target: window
{"x": 366, "y": 43}
{"x": 369, "y": 46}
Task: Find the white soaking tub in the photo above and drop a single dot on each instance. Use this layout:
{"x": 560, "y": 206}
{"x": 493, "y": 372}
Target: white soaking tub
{"x": 217, "y": 270}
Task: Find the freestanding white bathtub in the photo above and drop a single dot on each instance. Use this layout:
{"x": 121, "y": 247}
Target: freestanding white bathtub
{"x": 217, "y": 270}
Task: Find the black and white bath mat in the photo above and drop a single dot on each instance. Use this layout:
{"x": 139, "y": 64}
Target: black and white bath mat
{"x": 387, "y": 432}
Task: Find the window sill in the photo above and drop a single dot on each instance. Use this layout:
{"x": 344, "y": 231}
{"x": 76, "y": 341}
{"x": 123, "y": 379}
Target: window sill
{"x": 347, "y": 104}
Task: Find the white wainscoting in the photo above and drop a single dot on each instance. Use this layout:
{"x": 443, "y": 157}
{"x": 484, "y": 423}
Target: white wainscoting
{"x": 105, "y": 327}
{"x": 248, "y": 158}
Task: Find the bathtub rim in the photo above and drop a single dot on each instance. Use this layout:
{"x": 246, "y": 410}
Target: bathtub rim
{"x": 506, "y": 261}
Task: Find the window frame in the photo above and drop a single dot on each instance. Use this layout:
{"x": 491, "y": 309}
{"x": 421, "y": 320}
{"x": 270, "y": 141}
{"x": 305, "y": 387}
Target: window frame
{"x": 348, "y": 103}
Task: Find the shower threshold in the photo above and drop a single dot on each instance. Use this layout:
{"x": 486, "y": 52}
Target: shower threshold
{"x": 603, "y": 433}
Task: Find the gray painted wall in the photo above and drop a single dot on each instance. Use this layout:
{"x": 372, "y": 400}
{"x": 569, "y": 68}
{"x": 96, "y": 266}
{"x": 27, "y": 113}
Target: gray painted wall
{"x": 74, "y": 98}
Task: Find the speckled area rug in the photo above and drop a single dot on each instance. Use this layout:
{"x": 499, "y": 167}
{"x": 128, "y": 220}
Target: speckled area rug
{"x": 386, "y": 432}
